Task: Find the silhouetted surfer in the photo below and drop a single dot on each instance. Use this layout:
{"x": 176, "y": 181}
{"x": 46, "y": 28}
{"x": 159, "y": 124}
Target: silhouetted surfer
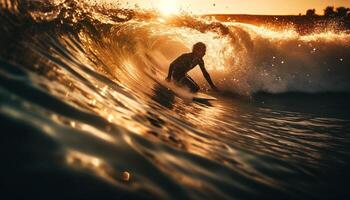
{"x": 180, "y": 66}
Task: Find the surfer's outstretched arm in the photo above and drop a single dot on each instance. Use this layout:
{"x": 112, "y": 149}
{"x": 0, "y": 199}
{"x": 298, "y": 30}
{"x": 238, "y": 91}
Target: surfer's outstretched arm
{"x": 207, "y": 76}
{"x": 170, "y": 73}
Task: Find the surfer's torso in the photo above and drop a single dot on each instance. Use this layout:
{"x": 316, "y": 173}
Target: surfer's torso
{"x": 184, "y": 64}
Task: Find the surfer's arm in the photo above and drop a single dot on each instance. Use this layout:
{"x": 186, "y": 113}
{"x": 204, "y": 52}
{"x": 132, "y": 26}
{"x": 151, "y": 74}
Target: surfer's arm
{"x": 206, "y": 75}
{"x": 170, "y": 73}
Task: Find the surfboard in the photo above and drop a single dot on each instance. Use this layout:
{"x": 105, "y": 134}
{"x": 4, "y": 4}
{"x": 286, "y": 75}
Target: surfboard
{"x": 203, "y": 97}
{"x": 187, "y": 95}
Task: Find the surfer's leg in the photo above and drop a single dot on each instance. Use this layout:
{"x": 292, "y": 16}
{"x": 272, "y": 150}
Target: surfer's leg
{"x": 189, "y": 82}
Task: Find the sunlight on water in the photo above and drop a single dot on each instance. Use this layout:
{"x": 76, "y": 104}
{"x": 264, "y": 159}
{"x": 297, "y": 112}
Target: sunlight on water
{"x": 97, "y": 133}
{"x": 97, "y": 166}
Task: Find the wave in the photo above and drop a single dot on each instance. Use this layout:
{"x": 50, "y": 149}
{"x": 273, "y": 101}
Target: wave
{"x": 83, "y": 100}
{"x": 242, "y": 58}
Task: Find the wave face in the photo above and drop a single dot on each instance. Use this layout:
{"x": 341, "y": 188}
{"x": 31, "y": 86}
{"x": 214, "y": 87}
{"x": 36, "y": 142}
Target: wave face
{"x": 242, "y": 58}
{"x": 85, "y": 106}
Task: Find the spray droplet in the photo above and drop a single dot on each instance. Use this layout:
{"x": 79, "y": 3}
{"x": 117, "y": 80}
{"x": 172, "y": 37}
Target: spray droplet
{"x": 126, "y": 176}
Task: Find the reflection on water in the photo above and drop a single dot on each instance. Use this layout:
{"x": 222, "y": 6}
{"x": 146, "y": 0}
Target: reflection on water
{"x": 96, "y": 165}
{"x": 163, "y": 96}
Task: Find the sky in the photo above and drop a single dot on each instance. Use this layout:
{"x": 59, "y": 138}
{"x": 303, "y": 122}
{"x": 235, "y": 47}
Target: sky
{"x": 269, "y": 7}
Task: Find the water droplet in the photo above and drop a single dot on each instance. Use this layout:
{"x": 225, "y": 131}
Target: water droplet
{"x": 126, "y": 176}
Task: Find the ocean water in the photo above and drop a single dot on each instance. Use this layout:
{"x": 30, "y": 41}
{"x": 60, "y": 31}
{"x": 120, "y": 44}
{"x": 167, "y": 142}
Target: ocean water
{"x": 85, "y": 112}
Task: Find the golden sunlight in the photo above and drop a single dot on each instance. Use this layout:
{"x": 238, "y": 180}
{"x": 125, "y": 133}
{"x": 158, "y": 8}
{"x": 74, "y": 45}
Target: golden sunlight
{"x": 167, "y": 7}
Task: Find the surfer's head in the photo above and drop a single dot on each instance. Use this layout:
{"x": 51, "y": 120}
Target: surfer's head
{"x": 199, "y": 49}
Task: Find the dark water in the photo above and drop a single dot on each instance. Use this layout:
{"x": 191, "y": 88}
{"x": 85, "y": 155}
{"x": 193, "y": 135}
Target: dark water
{"x": 85, "y": 113}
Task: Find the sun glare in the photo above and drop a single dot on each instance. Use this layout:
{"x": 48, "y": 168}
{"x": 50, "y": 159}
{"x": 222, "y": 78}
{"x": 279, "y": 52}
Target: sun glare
{"x": 167, "y": 7}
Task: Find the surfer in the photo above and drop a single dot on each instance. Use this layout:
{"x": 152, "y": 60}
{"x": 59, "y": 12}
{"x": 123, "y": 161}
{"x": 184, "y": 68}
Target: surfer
{"x": 180, "y": 66}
